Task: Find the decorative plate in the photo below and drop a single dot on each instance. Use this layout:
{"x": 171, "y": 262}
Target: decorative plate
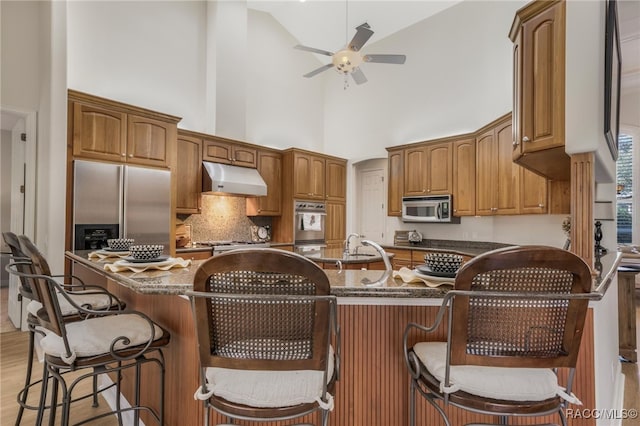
{"x": 161, "y": 258}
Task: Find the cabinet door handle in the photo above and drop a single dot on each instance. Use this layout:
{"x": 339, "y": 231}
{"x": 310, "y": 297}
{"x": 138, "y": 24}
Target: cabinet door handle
{"x": 130, "y": 155}
{"x": 526, "y": 139}
{"x": 541, "y": 205}
{"x": 123, "y": 154}
{"x": 515, "y": 143}
{"x": 494, "y": 209}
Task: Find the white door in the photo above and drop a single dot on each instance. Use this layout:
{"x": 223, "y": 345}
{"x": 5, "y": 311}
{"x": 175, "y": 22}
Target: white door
{"x": 372, "y": 204}
{"x": 21, "y": 188}
{"x": 16, "y": 211}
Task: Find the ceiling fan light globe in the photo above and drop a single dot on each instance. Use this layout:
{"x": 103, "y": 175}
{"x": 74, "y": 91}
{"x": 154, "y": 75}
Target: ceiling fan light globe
{"x": 346, "y": 60}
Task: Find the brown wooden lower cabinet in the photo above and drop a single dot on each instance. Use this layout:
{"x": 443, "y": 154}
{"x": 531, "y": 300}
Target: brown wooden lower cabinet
{"x": 374, "y": 383}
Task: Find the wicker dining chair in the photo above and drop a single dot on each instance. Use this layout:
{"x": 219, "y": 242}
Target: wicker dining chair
{"x": 88, "y": 296}
{"x": 515, "y": 317}
{"x": 101, "y": 341}
{"x": 268, "y": 336}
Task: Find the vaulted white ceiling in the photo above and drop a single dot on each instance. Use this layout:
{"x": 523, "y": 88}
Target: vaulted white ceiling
{"x": 323, "y": 23}
{"x": 330, "y": 24}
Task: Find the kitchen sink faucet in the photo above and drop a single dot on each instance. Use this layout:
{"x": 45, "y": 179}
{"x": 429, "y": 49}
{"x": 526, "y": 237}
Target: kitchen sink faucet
{"x": 347, "y": 242}
{"x": 388, "y": 269}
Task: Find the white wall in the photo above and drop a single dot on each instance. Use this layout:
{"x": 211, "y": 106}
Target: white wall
{"x": 584, "y": 128}
{"x": 34, "y": 79}
{"x": 149, "y": 54}
{"x": 456, "y": 79}
{"x": 161, "y": 57}
{"x": 20, "y": 54}
{"x": 283, "y": 108}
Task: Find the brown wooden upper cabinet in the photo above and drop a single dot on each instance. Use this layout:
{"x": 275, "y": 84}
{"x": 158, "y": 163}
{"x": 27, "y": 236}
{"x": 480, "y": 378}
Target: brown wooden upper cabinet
{"x": 336, "y": 180}
{"x": 219, "y": 150}
{"x": 270, "y": 168}
{"x": 111, "y": 131}
{"x": 188, "y": 174}
{"x": 538, "y": 36}
{"x": 428, "y": 169}
{"x": 395, "y": 182}
{"x": 464, "y": 177}
{"x": 503, "y": 187}
{"x": 309, "y": 176}
{"x": 497, "y": 178}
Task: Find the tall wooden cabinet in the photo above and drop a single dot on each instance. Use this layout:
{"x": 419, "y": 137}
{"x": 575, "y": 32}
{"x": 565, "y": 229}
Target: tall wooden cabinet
{"x": 311, "y": 176}
{"x": 270, "y": 168}
{"x": 336, "y": 180}
{"x": 538, "y": 35}
{"x": 464, "y": 177}
{"x": 188, "y": 173}
{"x": 395, "y": 181}
{"x": 497, "y": 182}
{"x": 503, "y": 187}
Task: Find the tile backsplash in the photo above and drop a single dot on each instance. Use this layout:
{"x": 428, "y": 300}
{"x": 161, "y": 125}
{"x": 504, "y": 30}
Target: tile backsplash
{"x": 222, "y": 218}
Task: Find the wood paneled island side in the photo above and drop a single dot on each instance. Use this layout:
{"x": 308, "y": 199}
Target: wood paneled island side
{"x": 373, "y": 386}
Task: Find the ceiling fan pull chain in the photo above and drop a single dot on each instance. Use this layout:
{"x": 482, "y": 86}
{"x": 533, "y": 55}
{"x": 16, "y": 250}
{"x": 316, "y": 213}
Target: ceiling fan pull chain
{"x": 346, "y": 82}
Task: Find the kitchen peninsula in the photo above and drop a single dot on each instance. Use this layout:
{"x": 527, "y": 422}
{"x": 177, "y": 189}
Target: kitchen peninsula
{"x": 373, "y": 386}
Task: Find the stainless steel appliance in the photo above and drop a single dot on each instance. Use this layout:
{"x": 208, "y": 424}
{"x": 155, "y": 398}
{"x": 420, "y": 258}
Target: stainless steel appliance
{"x": 114, "y": 200}
{"x": 430, "y": 208}
{"x": 309, "y": 223}
{"x": 225, "y": 179}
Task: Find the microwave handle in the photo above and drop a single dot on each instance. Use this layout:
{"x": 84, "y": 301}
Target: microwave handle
{"x": 438, "y": 214}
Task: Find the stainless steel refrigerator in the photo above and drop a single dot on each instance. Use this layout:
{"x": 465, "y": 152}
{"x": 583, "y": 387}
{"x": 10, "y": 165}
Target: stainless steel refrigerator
{"x": 120, "y": 201}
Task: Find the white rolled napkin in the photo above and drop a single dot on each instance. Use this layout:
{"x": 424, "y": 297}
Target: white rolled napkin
{"x": 409, "y": 276}
{"x": 165, "y": 265}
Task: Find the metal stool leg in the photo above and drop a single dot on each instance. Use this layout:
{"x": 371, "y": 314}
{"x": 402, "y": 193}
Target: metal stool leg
{"x": 22, "y": 396}
{"x": 43, "y": 395}
{"x": 54, "y": 399}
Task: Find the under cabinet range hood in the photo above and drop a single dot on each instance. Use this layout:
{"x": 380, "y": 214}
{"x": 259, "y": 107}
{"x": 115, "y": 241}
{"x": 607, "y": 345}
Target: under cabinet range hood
{"x": 225, "y": 179}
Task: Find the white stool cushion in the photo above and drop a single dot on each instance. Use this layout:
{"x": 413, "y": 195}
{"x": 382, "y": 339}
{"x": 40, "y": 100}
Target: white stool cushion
{"x": 94, "y": 336}
{"x": 268, "y": 389}
{"x": 513, "y": 384}
{"x": 96, "y": 301}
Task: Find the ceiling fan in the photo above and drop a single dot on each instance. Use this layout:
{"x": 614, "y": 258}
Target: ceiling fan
{"x": 348, "y": 60}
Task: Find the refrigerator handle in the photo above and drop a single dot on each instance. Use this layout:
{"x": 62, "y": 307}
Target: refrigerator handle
{"x": 122, "y": 199}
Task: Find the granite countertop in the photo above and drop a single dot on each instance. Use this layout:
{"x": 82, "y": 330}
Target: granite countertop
{"x": 345, "y": 283}
{"x": 193, "y": 247}
{"x": 467, "y": 248}
{"x": 177, "y": 281}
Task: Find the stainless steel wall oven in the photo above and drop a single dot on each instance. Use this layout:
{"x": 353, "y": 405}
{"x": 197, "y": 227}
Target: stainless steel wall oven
{"x": 309, "y": 223}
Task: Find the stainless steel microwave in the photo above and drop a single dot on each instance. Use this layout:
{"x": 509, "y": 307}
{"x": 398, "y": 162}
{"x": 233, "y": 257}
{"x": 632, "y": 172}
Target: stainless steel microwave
{"x": 431, "y": 208}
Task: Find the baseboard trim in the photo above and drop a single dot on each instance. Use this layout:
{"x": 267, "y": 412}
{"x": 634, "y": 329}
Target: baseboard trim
{"x": 618, "y": 398}
{"x": 109, "y": 395}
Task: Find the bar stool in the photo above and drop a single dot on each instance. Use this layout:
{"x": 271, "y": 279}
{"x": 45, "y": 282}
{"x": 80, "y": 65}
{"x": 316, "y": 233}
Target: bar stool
{"x": 104, "y": 342}
{"x": 268, "y": 336}
{"x": 92, "y": 297}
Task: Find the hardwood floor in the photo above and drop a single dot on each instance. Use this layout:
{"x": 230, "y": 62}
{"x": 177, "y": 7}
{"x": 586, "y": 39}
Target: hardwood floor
{"x": 13, "y": 350}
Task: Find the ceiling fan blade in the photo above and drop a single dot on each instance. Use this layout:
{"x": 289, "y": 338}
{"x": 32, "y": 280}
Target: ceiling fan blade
{"x": 385, "y": 59}
{"x": 312, "y": 49}
{"x": 318, "y": 70}
{"x": 358, "y": 76}
{"x": 363, "y": 34}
